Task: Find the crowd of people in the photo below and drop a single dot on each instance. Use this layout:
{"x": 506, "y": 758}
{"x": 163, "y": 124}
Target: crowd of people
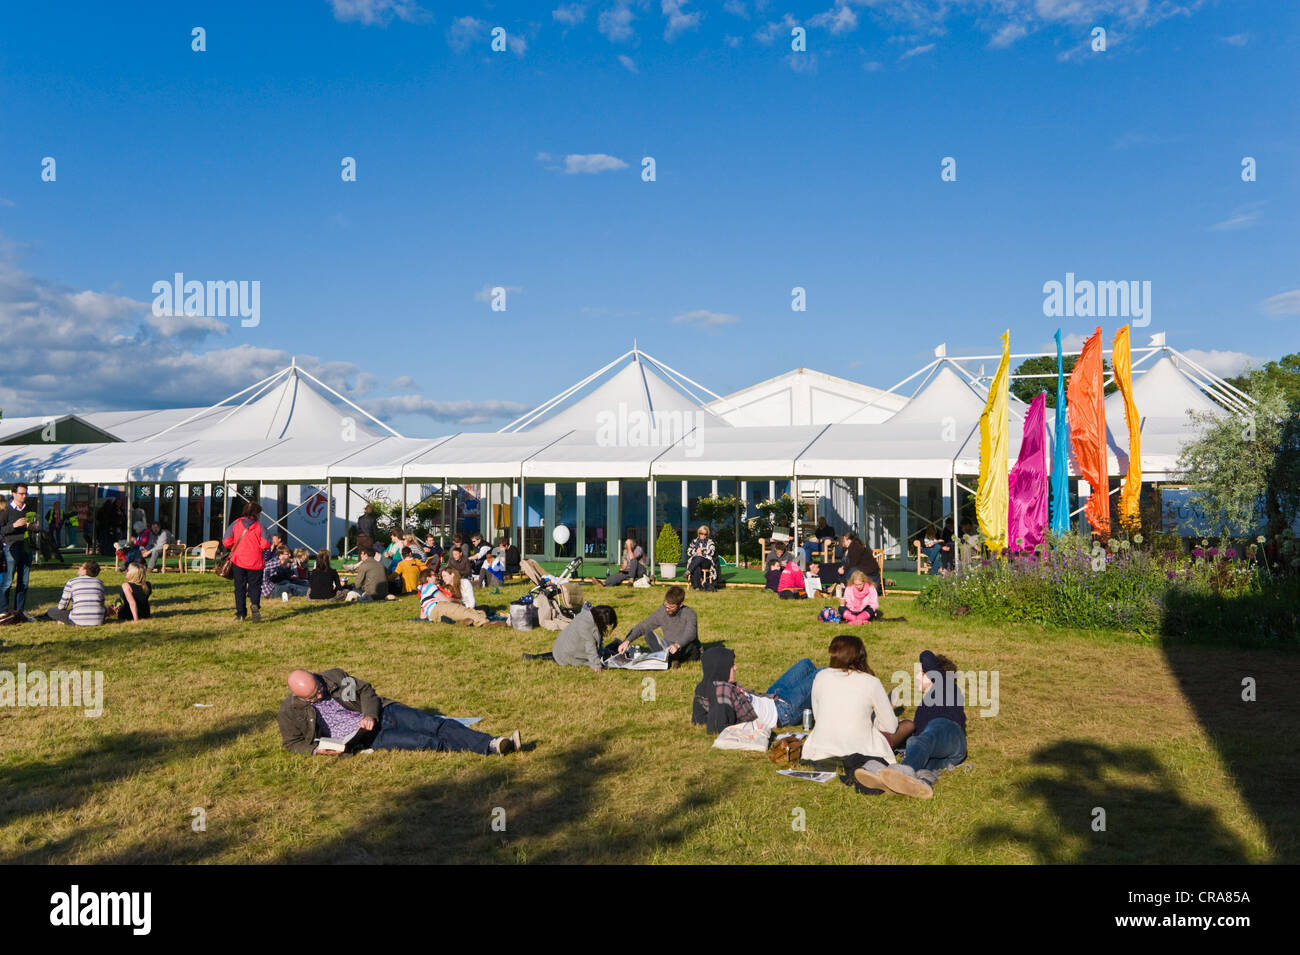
{"x": 854, "y": 720}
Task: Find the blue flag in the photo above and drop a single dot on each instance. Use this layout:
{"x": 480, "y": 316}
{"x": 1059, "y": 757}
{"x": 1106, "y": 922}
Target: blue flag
{"x": 1060, "y": 453}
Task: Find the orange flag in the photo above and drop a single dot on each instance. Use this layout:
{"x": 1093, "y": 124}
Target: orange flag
{"x": 1087, "y": 411}
{"x": 1122, "y": 363}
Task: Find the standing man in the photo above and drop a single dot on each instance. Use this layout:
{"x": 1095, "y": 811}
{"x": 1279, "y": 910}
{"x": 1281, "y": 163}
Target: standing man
{"x": 20, "y": 523}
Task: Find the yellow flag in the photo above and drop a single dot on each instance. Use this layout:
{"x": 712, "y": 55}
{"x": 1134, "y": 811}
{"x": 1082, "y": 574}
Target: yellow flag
{"x": 1121, "y": 361}
{"x": 991, "y": 499}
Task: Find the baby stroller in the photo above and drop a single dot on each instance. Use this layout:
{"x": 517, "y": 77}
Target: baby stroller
{"x": 557, "y": 600}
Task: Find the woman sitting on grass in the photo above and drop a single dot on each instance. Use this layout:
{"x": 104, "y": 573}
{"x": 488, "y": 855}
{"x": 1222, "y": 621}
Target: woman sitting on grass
{"x": 323, "y": 582}
{"x": 136, "y": 590}
{"x": 855, "y": 721}
{"x": 859, "y": 603}
{"x": 580, "y": 643}
{"x": 936, "y": 738}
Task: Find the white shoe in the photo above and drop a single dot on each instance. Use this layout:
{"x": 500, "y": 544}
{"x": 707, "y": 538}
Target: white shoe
{"x": 285, "y": 596}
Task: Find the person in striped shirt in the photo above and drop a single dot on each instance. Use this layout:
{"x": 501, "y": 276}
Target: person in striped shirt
{"x": 82, "y": 602}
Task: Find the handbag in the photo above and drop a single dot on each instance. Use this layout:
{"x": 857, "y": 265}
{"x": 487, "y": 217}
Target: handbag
{"x": 227, "y": 566}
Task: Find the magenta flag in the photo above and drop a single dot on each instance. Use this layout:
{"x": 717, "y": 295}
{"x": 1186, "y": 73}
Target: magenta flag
{"x": 1027, "y": 501}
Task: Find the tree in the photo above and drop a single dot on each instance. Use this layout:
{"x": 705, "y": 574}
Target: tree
{"x": 1285, "y": 372}
{"x": 1027, "y": 389}
{"x": 1248, "y": 466}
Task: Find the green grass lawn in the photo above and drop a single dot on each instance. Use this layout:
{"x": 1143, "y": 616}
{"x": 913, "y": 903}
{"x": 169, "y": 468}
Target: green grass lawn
{"x": 1157, "y": 737}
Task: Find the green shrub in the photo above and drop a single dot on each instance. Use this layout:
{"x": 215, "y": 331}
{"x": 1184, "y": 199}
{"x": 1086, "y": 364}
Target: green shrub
{"x": 668, "y": 546}
{"x": 1217, "y": 594}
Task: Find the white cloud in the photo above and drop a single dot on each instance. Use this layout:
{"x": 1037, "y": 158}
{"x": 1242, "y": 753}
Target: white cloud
{"x": 802, "y": 62}
{"x": 873, "y": 66}
{"x": 544, "y": 157}
{"x": 917, "y": 51}
{"x": 767, "y": 34}
{"x": 736, "y": 8}
{"x": 616, "y": 22}
{"x": 839, "y": 19}
{"x": 7, "y": 203}
{"x": 570, "y": 14}
{"x": 627, "y": 62}
{"x": 732, "y": 41}
{"x": 378, "y": 11}
{"x": 517, "y": 44}
{"x": 1225, "y": 364}
{"x": 458, "y": 412}
{"x": 679, "y": 21}
{"x": 1242, "y": 218}
{"x": 1283, "y": 305}
{"x": 1237, "y": 39}
{"x": 591, "y": 163}
{"x": 706, "y": 318}
{"x": 1008, "y": 35}
{"x": 82, "y": 350}
{"x": 465, "y": 31}
{"x": 485, "y": 293}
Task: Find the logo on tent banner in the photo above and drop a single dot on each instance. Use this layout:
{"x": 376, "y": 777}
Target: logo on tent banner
{"x": 314, "y": 509}
{"x": 634, "y": 428}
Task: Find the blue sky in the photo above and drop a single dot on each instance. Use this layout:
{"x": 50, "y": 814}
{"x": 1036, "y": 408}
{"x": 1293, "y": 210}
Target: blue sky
{"x": 775, "y": 169}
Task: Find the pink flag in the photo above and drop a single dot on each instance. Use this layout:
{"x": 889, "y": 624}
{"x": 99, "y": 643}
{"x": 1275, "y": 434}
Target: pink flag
{"x": 1027, "y": 507}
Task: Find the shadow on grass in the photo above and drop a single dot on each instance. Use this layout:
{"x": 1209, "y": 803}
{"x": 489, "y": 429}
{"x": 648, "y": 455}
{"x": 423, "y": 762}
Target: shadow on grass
{"x": 554, "y": 816}
{"x": 551, "y": 816}
{"x": 64, "y": 784}
{"x": 1146, "y": 821}
{"x": 1256, "y": 739}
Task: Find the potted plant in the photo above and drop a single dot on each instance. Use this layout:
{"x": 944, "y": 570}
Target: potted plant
{"x": 668, "y": 551}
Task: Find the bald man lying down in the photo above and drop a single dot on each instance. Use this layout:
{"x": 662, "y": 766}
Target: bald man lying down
{"x": 333, "y": 705}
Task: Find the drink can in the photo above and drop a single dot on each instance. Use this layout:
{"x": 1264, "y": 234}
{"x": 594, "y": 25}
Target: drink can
{"x": 807, "y": 721}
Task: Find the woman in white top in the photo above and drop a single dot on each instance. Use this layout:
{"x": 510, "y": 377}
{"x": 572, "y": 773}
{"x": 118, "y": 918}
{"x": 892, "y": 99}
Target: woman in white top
{"x": 854, "y": 719}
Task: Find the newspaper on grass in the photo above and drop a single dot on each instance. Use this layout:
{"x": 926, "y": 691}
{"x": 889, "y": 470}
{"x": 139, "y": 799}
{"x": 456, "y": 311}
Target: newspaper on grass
{"x": 638, "y": 658}
{"x": 810, "y": 775}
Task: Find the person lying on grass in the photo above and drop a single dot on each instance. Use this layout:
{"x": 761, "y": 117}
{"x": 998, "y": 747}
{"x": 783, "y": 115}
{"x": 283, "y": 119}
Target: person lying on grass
{"x": 859, "y": 604}
{"x": 855, "y": 721}
{"x": 936, "y": 736}
{"x": 579, "y": 644}
{"x": 334, "y": 705}
{"x": 720, "y": 701}
{"x": 441, "y": 599}
{"x": 680, "y": 629}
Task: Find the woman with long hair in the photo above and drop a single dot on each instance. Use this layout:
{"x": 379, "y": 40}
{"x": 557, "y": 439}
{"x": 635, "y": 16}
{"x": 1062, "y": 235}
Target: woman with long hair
{"x": 855, "y": 720}
{"x": 136, "y": 591}
{"x": 323, "y": 581}
{"x": 247, "y": 548}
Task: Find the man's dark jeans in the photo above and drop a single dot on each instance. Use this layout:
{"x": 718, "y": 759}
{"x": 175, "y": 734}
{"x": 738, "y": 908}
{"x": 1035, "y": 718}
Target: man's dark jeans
{"x": 20, "y": 570}
{"x": 404, "y": 727}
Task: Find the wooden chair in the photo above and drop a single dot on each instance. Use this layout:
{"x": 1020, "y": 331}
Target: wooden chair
{"x": 922, "y": 561}
{"x": 175, "y": 549}
{"x": 200, "y": 555}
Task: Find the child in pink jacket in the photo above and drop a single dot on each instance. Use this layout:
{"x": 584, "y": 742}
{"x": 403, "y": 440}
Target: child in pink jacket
{"x": 861, "y": 603}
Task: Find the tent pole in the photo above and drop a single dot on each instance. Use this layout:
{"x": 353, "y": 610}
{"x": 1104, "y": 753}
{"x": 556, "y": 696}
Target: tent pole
{"x": 347, "y": 517}
{"x": 403, "y": 502}
{"x": 329, "y": 514}
{"x": 650, "y": 526}
{"x": 737, "y": 516}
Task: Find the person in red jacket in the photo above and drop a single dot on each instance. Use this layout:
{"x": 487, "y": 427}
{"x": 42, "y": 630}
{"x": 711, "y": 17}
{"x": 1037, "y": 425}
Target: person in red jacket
{"x": 247, "y": 546}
